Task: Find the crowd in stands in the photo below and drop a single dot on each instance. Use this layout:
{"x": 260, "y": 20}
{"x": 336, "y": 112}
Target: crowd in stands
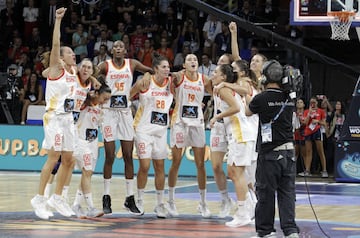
{"x": 166, "y": 26}
{"x": 171, "y": 28}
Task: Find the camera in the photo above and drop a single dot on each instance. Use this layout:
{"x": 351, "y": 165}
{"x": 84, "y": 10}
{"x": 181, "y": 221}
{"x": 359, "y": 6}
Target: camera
{"x": 289, "y": 78}
{"x": 10, "y": 89}
{"x": 292, "y": 82}
{"x": 13, "y": 71}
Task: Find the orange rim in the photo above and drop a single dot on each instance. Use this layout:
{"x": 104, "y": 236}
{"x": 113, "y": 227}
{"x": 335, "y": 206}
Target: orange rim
{"x": 343, "y": 16}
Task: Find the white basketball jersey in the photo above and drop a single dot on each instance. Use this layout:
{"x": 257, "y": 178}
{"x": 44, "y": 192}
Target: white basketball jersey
{"x": 59, "y": 93}
{"x": 152, "y": 116}
{"x": 80, "y": 94}
{"x": 189, "y": 96}
{"x": 238, "y": 127}
{"x": 119, "y": 79}
{"x": 217, "y": 106}
{"x": 254, "y": 119}
{"x": 88, "y": 122}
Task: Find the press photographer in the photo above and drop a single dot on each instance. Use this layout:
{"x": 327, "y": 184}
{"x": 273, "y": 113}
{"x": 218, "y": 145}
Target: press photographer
{"x": 13, "y": 93}
{"x": 276, "y": 165}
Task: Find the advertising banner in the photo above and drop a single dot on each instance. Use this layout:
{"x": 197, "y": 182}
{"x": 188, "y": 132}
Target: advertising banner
{"x": 347, "y": 161}
{"x": 20, "y": 150}
{"x": 347, "y": 151}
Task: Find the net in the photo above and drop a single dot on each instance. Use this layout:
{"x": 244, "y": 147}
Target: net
{"x": 340, "y": 24}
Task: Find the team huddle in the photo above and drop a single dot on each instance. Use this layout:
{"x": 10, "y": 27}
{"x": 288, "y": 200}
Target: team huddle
{"x": 100, "y": 97}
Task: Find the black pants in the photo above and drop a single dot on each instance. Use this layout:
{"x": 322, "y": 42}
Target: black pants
{"x": 275, "y": 175}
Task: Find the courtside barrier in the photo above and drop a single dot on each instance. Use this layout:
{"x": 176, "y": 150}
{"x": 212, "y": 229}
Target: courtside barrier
{"x": 20, "y": 150}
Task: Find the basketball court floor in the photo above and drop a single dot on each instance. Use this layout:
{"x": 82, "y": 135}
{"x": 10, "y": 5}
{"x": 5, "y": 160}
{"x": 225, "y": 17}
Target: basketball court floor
{"x": 323, "y": 209}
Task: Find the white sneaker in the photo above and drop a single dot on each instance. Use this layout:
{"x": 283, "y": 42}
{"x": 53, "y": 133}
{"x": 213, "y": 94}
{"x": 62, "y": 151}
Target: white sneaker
{"x": 172, "y": 208}
{"x": 140, "y": 205}
{"x": 58, "y": 203}
{"x": 39, "y": 205}
{"x": 204, "y": 210}
{"x": 238, "y": 221}
{"x": 324, "y": 174}
{"x": 293, "y": 235}
{"x": 48, "y": 210}
{"x": 93, "y": 212}
{"x": 161, "y": 211}
{"x": 240, "y": 218}
{"x": 305, "y": 174}
{"x": 79, "y": 212}
{"x": 70, "y": 210}
{"x": 226, "y": 206}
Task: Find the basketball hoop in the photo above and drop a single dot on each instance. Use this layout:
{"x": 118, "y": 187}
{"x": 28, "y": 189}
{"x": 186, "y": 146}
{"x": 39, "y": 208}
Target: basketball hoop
{"x": 340, "y": 24}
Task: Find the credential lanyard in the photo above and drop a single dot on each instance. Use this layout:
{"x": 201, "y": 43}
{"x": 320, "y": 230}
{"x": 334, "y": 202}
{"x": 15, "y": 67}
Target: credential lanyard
{"x": 266, "y": 130}
{"x": 281, "y": 110}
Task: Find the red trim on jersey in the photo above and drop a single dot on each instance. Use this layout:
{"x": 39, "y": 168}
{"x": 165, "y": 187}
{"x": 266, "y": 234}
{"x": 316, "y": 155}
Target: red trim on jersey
{"x": 160, "y": 85}
{"x": 182, "y": 80}
{"x": 83, "y": 106}
{"x": 85, "y": 84}
{"x": 106, "y": 67}
{"x": 194, "y": 80}
{"x": 144, "y": 91}
{"x": 251, "y": 89}
{"x": 54, "y": 79}
{"x": 172, "y": 86}
{"x": 130, "y": 65}
{"x": 119, "y": 67}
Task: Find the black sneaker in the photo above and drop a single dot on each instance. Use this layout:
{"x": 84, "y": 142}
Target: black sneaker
{"x": 131, "y": 206}
{"x": 107, "y": 204}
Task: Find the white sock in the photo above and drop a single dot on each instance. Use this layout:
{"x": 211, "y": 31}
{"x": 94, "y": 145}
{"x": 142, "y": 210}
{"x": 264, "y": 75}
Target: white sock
{"x": 240, "y": 203}
{"x": 47, "y": 190}
{"x": 141, "y": 193}
{"x": 159, "y": 196}
{"x": 171, "y": 193}
{"x": 202, "y": 195}
{"x": 107, "y": 186}
{"x": 224, "y": 194}
{"x": 240, "y": 208}
{"x": 78, "y": 197}
{"x": 65, "y": 192}
{"x": 57, "y": 197}
{"x": 89, "y": 200}
{"x": 129, "y": 187}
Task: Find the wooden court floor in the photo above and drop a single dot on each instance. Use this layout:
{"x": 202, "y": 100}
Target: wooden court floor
{"x": 323, "y": 209}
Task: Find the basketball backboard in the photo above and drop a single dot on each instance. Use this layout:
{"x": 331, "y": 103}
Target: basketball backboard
{"x": 314, "y": 12}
